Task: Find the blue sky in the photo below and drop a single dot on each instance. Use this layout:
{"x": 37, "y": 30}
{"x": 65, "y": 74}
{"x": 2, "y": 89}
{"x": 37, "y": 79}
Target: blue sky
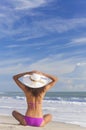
{"x": 44, "y": 35}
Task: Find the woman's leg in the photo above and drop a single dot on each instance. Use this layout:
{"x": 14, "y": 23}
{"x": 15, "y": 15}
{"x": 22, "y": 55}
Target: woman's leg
{"x": 47, "y": 118}
{"x": 19, "y": 117}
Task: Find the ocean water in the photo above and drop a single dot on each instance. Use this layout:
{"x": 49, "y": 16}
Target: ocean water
{"x": 67, "y": 107}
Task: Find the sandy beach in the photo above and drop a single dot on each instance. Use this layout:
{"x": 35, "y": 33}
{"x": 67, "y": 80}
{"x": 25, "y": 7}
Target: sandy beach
{"x": 9, "y": 123}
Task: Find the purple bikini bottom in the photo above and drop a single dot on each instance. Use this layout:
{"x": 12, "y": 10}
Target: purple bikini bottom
{"x": 33, "y": 121}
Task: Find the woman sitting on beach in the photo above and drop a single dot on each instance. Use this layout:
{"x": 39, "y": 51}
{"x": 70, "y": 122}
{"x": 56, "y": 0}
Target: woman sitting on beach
{"x": 35, "y": 87}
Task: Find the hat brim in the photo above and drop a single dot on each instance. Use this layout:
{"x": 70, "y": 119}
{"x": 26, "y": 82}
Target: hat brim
{"x": 32, "y": 84}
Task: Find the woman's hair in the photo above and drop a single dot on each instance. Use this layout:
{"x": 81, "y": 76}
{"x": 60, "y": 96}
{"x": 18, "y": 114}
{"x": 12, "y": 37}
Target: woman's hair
{"x": 36, "y": 91}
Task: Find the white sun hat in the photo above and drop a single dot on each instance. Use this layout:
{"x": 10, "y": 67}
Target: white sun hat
{"x": 35, "y": 80}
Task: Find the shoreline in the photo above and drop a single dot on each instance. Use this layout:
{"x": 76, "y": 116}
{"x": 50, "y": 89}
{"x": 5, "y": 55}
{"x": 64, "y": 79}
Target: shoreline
{"x": 9, "y": 123}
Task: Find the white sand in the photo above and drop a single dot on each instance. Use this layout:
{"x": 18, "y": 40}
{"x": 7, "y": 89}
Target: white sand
{"x": 9, "y": 123}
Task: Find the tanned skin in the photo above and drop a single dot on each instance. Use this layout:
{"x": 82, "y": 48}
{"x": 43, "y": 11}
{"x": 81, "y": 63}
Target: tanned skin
{"x": 37, "y": 100}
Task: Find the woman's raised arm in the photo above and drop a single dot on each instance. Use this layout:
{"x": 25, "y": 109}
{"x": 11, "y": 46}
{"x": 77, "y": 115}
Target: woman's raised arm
{"x": 53, "y": 79}
{"x": 18, "y": 82}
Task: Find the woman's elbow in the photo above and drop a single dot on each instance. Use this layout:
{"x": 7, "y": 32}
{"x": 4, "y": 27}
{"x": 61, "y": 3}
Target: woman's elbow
{"x": 55, "y": 79}
{"x": 14, "y": 77}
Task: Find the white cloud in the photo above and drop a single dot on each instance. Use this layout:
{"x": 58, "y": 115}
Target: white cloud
{"x": 28, "y": 4}
{"x": 13, "y": 46}
{"x": 25, "y": 45}
{"x": 13, "y": 69}
{"x": 37, "y": 28}
{"x": 12, "y": 66}
{"x": 62, "y": 25}
{"x": 53, "y": 25}
{"x": 76, "y": 80}
{"x": 9, "y": 16}
{"x": 79, "y": 40}
{"x": 11, "y": 13}
{"x": 79, "y": 72}
{"x": 2, "y": 15}
{"x": 14, "y": 61}
{"x": 73, "y": 42}
{"x": 22, "y": 4}
{"x": 71, "y": 78}
{"x": 76, "y": 42}
{"x": 53, "y": 64}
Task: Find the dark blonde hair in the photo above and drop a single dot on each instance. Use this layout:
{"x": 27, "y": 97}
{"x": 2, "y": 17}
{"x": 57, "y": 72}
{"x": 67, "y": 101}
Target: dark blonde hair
{"x": 36, "y": 91}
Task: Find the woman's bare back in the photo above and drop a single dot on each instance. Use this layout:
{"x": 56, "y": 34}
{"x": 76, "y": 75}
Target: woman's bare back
{"x": 34, "y": 105}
